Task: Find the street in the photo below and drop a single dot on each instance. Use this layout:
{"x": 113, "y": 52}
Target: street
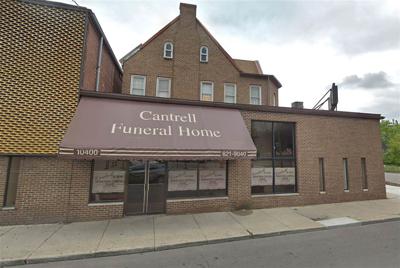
{"x": 392, "y": 178}
{"x": 374, "y": 245}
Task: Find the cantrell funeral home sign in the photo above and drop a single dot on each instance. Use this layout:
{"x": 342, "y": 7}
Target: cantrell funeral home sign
{"x": 119, "y": 129}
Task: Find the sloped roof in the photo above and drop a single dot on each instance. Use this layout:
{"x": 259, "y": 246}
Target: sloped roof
{"x": 244, "y": 67}
{"x": 249, "y": 66}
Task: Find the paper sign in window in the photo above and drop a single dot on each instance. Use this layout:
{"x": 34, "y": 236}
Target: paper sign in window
{"x": 108, "y": 181}
{"x": 285, "y": 176}
{"x": 182, "y": 180}
{"x": 261, "y": 176}
{"x": 212, "y": 179}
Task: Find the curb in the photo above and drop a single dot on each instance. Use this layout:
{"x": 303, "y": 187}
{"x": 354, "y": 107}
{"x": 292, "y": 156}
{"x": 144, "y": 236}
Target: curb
{"x": 182, "y": 245}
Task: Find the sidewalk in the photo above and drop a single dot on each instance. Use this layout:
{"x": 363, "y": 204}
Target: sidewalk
{"x": 50, "y": 242}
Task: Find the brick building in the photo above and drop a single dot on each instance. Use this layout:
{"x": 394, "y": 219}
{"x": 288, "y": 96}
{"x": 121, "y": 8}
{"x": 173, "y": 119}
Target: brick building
{"x": 194, "y": 129}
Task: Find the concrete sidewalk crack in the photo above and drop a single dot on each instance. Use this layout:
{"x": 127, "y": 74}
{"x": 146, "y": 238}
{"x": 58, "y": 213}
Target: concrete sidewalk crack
{"x": 12, "y": 228}
{"x": 102, "y": 235}
{"x": 43, "y": 242}
{"x": 244, "y": 227}
{"x": 198, "y": 225}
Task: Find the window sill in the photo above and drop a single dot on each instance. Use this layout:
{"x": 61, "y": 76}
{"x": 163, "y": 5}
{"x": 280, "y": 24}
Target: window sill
{"x": 322, "y": 192}
{"x": 105, "y": 204}
{"x": 8, "y": 208}
{"x": 347, "y": 191}
{"x": 365, "y": 190}
{"x": 197, "y": 199}
{"x": 271, "y": 195}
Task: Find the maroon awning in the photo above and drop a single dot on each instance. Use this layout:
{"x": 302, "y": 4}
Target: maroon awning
{"x": 125, "y": 129}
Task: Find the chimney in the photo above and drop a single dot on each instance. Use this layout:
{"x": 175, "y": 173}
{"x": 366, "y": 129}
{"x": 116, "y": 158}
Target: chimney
{"x": 297, "y": 105}
{"x": 187, "y": 10}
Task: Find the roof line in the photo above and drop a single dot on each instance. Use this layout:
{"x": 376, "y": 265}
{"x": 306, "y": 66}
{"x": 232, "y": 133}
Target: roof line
{"x": 219, "y": 46}
{"x": 82, "y": 9}
{"x": 97, "y": 24}
{"x": 55, "y": 4}
{"x": 244, "y": 107}
{"x": 141, "y": 46}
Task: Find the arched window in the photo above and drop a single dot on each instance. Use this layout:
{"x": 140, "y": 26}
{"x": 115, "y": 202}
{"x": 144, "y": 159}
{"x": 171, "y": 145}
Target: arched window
{"x": 168, "y": 50}
{"x": 203, "y": 54}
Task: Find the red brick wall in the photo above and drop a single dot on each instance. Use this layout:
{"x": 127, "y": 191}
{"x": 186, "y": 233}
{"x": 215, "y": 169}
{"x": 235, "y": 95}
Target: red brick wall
{"x": 110, "y": 76}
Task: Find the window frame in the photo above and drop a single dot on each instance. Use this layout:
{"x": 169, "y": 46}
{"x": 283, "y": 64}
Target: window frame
{"x": 235, "y": 92}
{"x": 201, "y": 54}
{"x": 169, "y": 86}
{"x": 364, "y": 173}
{"x": 201, "y": 90}
{"x": 133, "y": 76}
{"x": 90, "y": 201}
{"x": 198, "y": 193}
{"x": 274, "y": 99}
{"x": 322, "y": 182}
{"x": 260, "y": 93}
{"x": 274, "y": 158}
{"x": 165, "y": 50}
{"x": 346, "y": 174}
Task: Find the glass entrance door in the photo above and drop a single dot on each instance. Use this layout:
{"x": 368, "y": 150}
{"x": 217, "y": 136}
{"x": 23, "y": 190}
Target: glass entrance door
{"x": 146, "y": 187}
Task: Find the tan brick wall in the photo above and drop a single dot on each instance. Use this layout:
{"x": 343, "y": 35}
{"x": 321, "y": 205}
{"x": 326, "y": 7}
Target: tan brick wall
{"x": 185, "y": 68}
{"x": 332, "y": 138}
{"x": 53, "y": 190}
{"x": 45, "y": 195}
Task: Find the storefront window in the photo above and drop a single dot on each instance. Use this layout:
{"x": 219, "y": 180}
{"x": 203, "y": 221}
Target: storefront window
{"x": 274, "y": 171}
{"x": 261, "y": 132}
{"x": 262, "y": 176}
{"x": 196, "y": 179}
{"x": 108, "y": 180}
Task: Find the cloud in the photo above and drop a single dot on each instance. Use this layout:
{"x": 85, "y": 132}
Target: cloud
{"x": 353, "y": 27}
{"x": 377, "y": 80}
{"x": 386, "y": 103}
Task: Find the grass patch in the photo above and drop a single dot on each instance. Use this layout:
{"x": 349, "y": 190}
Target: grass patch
{"x": 392, "y": 169}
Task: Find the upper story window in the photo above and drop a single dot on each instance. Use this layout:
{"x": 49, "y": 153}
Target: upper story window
{"x": 274, "y": 100}
{"x": 255, "y": 95}
{"x": 168, "y": 50}
{"x": 203, "y": 54}
{"x": 230, "y": 93}
{"x": 138, "y": 85}
{"x": 163, "y": 87}
{"x": 206, "y": 91}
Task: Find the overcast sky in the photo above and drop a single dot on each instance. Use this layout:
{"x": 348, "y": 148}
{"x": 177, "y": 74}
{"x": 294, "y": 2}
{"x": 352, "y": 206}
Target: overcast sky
{"x": 307, "y": 45}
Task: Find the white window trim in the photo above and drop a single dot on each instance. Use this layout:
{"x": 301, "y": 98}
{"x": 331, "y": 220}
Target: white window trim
{"x": 274, "y": 99}
{"x": 141, "y": 76}
{"x": 259, "y": 89}
{"x": 212, "y": 89}
{"x": 165, "y": 50}
{"x": 229, "y": 84}
{"x": 201, "y": 48}
{"x": 169, "y": 86}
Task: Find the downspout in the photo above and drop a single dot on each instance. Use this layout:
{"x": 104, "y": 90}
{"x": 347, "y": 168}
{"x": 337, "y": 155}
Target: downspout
{"x": 98, "y": 68}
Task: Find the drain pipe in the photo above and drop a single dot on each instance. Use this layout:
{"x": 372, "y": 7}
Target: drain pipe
{"x": 98, "y": 68}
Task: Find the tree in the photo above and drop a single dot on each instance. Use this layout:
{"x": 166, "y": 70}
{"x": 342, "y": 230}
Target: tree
{"x": 390, "y": 133}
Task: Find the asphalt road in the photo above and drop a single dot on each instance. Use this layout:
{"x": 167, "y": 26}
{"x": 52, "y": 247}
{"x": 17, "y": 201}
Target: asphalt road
{"x": 393, "y": 178}
{"x": 375, "y": 245}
